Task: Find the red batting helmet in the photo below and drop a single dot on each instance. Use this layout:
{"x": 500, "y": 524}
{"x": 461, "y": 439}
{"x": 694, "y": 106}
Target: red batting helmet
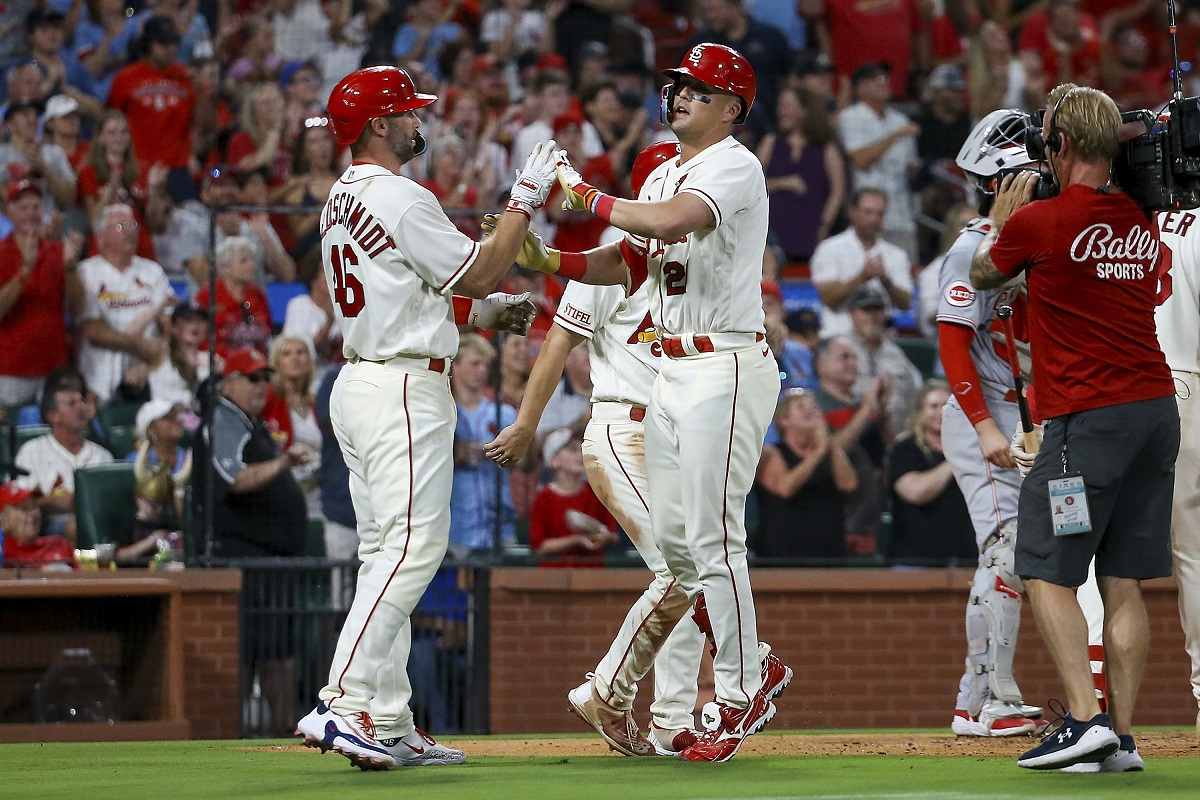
{"x": 647, "y": 160}
{"x": 722, "y": 68}
{"x": 368, "y": 93}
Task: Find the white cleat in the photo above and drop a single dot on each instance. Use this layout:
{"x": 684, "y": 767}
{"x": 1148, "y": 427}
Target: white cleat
{"x": 671, "y": 743}
{"x": 352, "y": 736}
{"x": 991, "y": 723}
{"x": 418, "y": 749}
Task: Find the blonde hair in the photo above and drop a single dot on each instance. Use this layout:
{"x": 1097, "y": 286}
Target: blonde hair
{"x": 473, "y": 342}
{"x": 914, "y": 418}
{"x": 248, "y": 112}
{"x": 1088, "y": 118}
{"x": 277, "y": 353}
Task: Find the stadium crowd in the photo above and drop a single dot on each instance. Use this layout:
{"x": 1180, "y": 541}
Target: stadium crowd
{"x": 125, "y": 125}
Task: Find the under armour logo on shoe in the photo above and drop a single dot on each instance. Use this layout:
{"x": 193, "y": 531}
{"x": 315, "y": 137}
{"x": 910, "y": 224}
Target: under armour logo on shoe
{"x": 1067, "y": 734}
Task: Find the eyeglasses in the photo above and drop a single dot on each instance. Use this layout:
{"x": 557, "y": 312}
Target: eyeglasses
{"x": 124, "y": 227}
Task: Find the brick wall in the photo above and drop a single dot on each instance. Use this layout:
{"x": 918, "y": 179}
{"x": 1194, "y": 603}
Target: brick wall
{"x": 212, "y": 697}
{"x": 870, "y": 647}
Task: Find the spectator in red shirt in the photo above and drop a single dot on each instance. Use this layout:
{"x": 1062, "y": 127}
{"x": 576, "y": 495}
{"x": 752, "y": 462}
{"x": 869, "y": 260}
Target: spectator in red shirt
{"x": 243, "y": 317}
{"x": 1066, "y": 41}
{"x": 870, "y": 31}
{"x": 1092, "y": 263}
{"x": 111, "y": 175}
{"x": 260, "y": 144}
{"x": 568, "y": 526}
{"x": 32, "y": 298}
{"x": 155, "y": 94}
{"x": 63, "y": 125}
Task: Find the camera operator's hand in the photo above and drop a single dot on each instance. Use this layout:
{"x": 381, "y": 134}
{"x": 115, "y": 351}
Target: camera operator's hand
{"x": 1015, "y": 191}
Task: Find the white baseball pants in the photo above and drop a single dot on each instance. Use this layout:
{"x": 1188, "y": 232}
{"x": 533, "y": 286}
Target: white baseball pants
{"x": 658, "y": 629}
{"x": 704, "y": 433}
{"x": 1185, "y": 518}
{"x": 395, "y": 424}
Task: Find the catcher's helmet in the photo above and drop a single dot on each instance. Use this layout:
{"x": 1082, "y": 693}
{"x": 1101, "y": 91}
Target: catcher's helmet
{"x": 720, "y": 67}
{"x": 647, "y": 160}
{"x": 368, "y": 93}
{"x": 996, "y": 144}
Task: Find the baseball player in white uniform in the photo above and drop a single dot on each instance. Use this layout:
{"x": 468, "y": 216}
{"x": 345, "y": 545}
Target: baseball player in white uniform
{"x": 391, "y": 259}
{"x": 1178, "y": 321}
{"x": 624, "y": 353}
{"x": 704, "y": 220}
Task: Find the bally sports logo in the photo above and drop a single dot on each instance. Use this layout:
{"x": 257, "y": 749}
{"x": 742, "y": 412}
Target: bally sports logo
{"x": 1097, "y": 242}
{"x": 960, "y": 295}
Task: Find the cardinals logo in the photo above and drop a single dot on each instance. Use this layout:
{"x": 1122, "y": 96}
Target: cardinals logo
{"x": 647, "y": 333}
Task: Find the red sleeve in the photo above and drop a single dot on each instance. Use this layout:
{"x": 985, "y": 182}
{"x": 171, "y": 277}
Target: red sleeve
{"x": 636, "y": 261}
{"x": 240, "y": 146}
{"x": 118, "y": 93}
{"x": 537, "y": 520}
{"x": 89, "y": 185}
{"x": 277, "y": 417}
{"x": 1015, "y": 247}
{"x": 201, "y": 298}
{"x": 462, "y": 309}
{"x": 10, "y": 259}
{"x": 954, "y": 345}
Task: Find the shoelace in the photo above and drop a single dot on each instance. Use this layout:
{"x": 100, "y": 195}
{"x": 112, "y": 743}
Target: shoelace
{"x": 366, "y": 723}
{"x": 1060, "y": 718}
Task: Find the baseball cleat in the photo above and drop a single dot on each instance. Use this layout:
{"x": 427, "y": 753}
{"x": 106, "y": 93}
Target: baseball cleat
{"x": 352, "y": 736}
{"x": 1032, "y": 712}
{"x": 615, "y": 727}
{"x": 992, "y": 721}
{"x": 671, "y": 742}
{"x": 775, "y": 674}
{"x": 733, "y": 726}
{"x": 418, "y": 749}
{"x": 1069, "y": 741}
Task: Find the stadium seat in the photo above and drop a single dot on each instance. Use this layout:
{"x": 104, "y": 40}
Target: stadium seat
{"x": 104, "y": 503}
{"x": 115, "y": 414}
{"x": 182, "y": 289}
{"x": 279, "y": 295}
{"x": 921, "y": 352}
{"x": 121, "y": 440}
{"x": 799, "y": 294}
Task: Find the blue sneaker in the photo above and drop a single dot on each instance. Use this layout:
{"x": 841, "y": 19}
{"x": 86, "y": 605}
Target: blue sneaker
{"x": 1069, "y": 741}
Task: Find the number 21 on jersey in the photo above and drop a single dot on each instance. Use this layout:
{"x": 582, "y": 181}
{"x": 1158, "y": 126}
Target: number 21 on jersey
{"x": 347, "y": 288}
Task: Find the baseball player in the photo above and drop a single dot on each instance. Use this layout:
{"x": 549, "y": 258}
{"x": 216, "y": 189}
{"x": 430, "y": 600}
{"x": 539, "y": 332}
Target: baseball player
{"x": 624, "y": 353}
{"x": 975, "y": 422}
{"x": 703, "y": 218}
{"x": 1178, "y": 322}
{"x": 391, "y": 259}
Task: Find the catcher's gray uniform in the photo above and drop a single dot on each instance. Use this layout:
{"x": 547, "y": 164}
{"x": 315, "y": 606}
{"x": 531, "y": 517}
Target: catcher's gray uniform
{"x": 994, "y": 609}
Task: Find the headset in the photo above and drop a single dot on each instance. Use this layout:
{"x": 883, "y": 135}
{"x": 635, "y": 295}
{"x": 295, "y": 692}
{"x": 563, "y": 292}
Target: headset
{"x": 1037, "y": 146}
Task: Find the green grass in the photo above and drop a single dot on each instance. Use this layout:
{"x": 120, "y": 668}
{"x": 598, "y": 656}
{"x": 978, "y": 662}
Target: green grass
{"x": 229, "y": 771}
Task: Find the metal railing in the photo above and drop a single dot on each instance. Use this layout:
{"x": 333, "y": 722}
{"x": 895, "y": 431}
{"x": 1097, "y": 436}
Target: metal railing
{"x": 292, "y": 611}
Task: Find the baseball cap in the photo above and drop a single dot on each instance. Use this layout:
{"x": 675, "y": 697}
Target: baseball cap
{"x": 290, "y": 68}
{"x": 185, "y": 311}
{"x": 245, "y": 361}
{"x": 566, "y": 120}
{"x": 42, "y": 18}
{"x": 946, "y": 76}
{"x": 161, "y": 30}
{"x": 809, "y": 62}
{"x": 867, "y": 297}
{"x": 27, "y": 105}
{"x": 11, "y": 494}
{"x": 59, "y": 106}
{"x": 556, "y": 440}
{"x": 870, "y": 70}
{"x": 149, "y": 413}
{"x": 803, "y": 320}
{"x": 18, "y": 188}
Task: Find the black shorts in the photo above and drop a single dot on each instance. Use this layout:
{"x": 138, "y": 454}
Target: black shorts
{"x": 1127, "y": 456}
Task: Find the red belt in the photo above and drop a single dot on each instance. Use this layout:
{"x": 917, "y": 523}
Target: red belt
{"x": 437, "y": 365}
{"x": 673, "y": 345}
{"x": 637, "y": 413}
{"x": 1010, "y": 396}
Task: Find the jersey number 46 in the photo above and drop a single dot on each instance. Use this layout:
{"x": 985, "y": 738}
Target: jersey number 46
{"x": 347, "y": 289}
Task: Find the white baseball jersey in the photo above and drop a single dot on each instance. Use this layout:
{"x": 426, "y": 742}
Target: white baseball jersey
{"x": 124, "y": 299}
{"x": 391, "y": 258}
{"x": 622, "y": 343}
{"x": 708, "y": 282}
{"x": 960, "y": 303}
{"x": 1178, "y": 316}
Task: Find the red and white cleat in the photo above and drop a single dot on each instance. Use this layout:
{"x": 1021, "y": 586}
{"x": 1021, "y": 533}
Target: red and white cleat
{"x": 991, "y": 724}
{"x": 671, "y": 743}
{"x": 733, "y": 726}
{"x": 775, "y": 674}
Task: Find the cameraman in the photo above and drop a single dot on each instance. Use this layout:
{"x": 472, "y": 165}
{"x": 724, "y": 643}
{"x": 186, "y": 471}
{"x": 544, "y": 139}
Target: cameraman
{"x": 1112, "y": 429}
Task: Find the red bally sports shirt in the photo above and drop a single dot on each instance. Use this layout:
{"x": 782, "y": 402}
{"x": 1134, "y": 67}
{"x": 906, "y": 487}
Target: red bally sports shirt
{"x": 1093, "y": 261}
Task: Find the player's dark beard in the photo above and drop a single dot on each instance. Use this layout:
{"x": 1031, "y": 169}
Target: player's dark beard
{"x": 410, "y": 147}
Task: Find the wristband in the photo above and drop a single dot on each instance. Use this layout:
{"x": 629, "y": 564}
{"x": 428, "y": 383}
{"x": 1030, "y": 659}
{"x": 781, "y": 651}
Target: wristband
{"x": 462, "y": 309}
{"x": 572, "y": 266}
{"x": 520, "y": 208}
{"x": 603, "y": 205}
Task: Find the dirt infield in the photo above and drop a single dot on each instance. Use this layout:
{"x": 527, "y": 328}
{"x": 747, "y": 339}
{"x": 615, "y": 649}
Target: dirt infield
{"x": 1154, "y": 744}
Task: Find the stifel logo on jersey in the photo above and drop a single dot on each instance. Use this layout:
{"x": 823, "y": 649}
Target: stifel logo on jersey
{"x": 579, "y": 315}
{"x": 1129, "y": 258}
{"x": 349, "y": 212}
{"x": 960, "y": 295}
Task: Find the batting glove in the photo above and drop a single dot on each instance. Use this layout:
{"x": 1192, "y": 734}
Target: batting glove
{"x": 1016, "y": 447}
{"x": 579, "y": 195}
{"x": 535, "y": 179}
{"x": 534, "y": 254}
{"x": 509, "y": 313}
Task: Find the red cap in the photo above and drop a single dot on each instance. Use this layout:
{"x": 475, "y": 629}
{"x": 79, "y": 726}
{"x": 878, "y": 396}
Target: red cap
{"x": 18, "y": 188}
{"x": 11, "y": 494}
{"x": 770, "y": 287}
{"x": 246, "y": 361}
{"x": 566, "y": 120}
{"x": 551, "y": 61}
